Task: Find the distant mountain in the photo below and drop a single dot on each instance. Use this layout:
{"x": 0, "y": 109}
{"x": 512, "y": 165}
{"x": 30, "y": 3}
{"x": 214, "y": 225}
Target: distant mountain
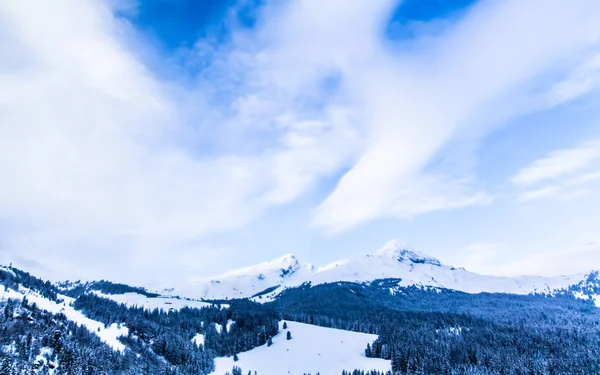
{"x": 395, "y": 260}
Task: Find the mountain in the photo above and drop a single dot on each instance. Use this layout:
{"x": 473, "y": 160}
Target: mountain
{"x": 395, "y": 260}
{"x": 108, "y": 328}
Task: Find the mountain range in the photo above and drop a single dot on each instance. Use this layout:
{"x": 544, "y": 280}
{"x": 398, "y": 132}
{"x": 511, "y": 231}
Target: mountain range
{"x": 396, "y": 310}
{"x": 396, "y": 260}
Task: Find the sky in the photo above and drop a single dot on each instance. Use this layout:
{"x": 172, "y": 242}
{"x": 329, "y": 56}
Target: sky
{"x": 154, "y": 141}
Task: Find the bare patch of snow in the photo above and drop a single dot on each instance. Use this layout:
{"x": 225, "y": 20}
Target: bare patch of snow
{"x": 151, "y": 303}
{"x": 198, "y": 339}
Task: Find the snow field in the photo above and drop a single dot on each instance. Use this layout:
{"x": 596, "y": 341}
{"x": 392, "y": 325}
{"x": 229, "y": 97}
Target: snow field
{"x": 312, "y": 349}
{"x": 151, "y": 303}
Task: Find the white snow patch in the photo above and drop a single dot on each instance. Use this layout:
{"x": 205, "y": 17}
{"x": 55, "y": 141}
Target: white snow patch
{"x": 10, "y": 349}
{"x": 6, "y": 293}
{"x": 151, "y": 303}
{"x": 218, "y": 327}
{"x": 594, "y": 297}
{"x": 7, "y": 269}
{"x": 198, "y": 339}
{"x": 580, "y": 295}
{"x": 312, "y": 349}
{"x": 42, "y": 358}
{"x": 331, "y": 266}
{"x": 453, "y": 331}
{"x": 229, "y": 324}
{"x": 108, "y": 335}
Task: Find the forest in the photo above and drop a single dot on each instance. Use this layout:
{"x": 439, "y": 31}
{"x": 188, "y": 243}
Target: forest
{"x": 421, "y": 330}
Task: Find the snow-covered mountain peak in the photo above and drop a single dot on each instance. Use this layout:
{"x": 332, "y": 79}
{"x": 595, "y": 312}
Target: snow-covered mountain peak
{"x": 285, "y": 262}
{"x": 403, "y": 252}
{"x": 282, "y": 266}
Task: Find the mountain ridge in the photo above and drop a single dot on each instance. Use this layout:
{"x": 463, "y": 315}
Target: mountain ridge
{"x": 395, "y": 260}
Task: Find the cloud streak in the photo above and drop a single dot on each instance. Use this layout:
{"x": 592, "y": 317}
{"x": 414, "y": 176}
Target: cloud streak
{"x": 462, "y": 82}
{"x": 558, "y": 164}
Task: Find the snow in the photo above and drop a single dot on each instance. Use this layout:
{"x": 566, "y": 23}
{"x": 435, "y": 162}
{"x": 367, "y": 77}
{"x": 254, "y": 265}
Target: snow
{"x": 219, "y": 327}
{"x": 312, "y": 349}
{"x": 198, "y": 339}
{"x": 453, "y": 331}
{"x": 248, "y": 281}
{"x": 151, "y": 303}
{"x": 332, "y": 265}
{"x": 593, "y": 297}
{"x": 7, "y": 269}
{"x": 6, "y": 293}
{"x": 108, "y": 335}
{"x": 395, "y": 259}
{"x": 10, "y": 349}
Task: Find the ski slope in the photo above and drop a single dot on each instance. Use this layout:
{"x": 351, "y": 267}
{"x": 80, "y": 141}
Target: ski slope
{"x": 312, "y": 349}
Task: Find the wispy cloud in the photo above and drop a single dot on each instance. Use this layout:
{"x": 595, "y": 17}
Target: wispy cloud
{"x": 536, "y": 194}
{"x": 552, "y": 262}
{"x": 477, "y": 256}
{"x": 565, "y": 171}
{"x": 558, "y": 164}
{"x": 460, "y": 83}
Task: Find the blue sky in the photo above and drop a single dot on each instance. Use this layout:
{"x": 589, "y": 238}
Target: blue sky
{"x": 184, "y": 138}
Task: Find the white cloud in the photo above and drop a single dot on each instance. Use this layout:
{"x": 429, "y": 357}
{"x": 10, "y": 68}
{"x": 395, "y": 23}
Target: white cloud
{"x": 544, "y": 192}
{"x": 422, "y": 194}
{"x": 558, "y": 164}
{"x": 585, "y": 79}
{"x": 90, "y": 152}
{"x": 463, "y": 83}
{"x": 580, "y": 259}
{"x": 480, "y": 255}
{"x": 569, "y": 171}
{"x": 100, "y": 159}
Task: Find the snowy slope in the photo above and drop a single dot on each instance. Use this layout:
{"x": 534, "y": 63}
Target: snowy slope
{"x": 246, "y": 282}
{"x": 312, "y": 349}
{"x": 394, "y": 260}
{"x": 109, "y": 334}
{"x": 151, "y": 303}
